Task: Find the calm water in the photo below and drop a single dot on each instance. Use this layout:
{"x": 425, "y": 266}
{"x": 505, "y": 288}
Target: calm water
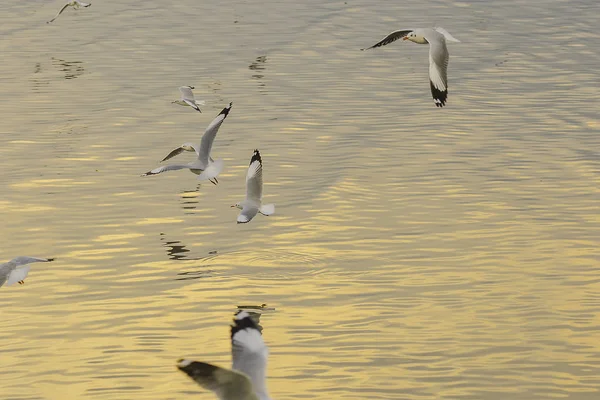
{"x": 416, "y": 253}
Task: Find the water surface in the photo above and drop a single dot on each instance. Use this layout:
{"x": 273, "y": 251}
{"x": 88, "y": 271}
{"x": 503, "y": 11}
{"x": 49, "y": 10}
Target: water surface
{"x": 416, "y": 252}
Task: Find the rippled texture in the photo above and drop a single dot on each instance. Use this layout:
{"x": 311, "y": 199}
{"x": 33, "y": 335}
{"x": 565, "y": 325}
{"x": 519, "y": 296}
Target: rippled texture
{"x": 416, "y": 252}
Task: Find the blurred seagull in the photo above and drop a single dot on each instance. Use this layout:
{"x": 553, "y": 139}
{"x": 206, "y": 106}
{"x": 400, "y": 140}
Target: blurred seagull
{"x": 203, "y": 166}
{"x": 246, "y": 381}
{"x": 16, "y": 270}
{"x": 75, "y": 4}
{"x": 188, "y": 99}
{"x": 438, "y": 56}
{"x": 254, "y": 184}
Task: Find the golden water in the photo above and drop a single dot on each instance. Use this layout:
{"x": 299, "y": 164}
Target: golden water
{"x": 416, "y": 252}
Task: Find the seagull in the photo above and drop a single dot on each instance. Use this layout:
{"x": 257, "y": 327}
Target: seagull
{"x": 438, "y": 56}
{"x": 75, "y": 4}
{"x": 254, "y": 184}
{"x": 16, "y": 270}
{"x": 188, "y": 99}
{"x": 246, "y": 379}
{"x": 203, "y": 166}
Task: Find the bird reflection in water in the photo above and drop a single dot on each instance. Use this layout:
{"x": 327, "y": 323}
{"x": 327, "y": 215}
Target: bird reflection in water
{"x": 72, "y": 69}
{"x": 259, "y": 66}
{"x": 175, "y": 250}
{"x": 190, "y": 199}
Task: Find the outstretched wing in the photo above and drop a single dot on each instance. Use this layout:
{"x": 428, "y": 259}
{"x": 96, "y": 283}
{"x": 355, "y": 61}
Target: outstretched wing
{"x": 254, "y": 180}
{"x": 60, "y": 12}
{"x": 438, "y": 67}
{"x": 446, "y": 34}
{"x": 210, "y": 134}
{"x": 186, "y": 92}
{"x": 164, "y": 168}
{"x": 225, "y": 383}
{"x": 28, "y": 260}
{"x": 392, "y": 37}
{"x": 181, "y": 149}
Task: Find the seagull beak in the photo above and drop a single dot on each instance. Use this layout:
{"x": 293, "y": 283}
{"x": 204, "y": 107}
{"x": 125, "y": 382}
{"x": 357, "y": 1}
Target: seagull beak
{"x": 405, "y": 38}
{"x": 232, "y": 206}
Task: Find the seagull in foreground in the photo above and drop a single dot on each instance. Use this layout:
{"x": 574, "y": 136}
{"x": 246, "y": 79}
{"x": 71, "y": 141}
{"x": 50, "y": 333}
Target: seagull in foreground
{"x": 438, "y": 56}
{"x": 16, "y": 270}
{"x": 75, "y": 4}
{"x": 246, "y": 379}
{"x": 254, "y": 184}
{"x": 188, "y": 99}
{"x": 203, "y": 166}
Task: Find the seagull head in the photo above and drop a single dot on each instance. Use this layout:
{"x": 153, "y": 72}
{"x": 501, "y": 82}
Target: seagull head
{"x": 416, "y": 38}
{"x": 237, "y": 205}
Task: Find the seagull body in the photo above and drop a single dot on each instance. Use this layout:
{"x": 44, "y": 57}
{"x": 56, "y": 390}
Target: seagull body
{"x": 188, "y": 99}
{"x": 203, "y": 166}
{"x": 438, "y": 56}
{"x": 246, "y": 381}
{"x": 252, "y": 205}
{"x": 75, "y": 4}
{"x": 16, "y": 270}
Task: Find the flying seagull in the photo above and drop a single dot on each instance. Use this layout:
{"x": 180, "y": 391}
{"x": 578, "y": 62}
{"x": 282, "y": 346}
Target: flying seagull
{"x": 75, "y": 4}
{"x": 246, "y": 379}
{"x": 203, "y": 166}
{"x": 438, "y": 56}
{"x": 16, "y": 270}
{"x": 188, "y": 99}
{"x": 254, "y": 185}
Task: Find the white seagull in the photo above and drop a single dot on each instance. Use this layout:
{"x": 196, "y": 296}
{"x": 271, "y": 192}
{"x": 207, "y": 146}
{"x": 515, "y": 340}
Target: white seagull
{"x": 246, "y": 381}
{"x": 254, "y": 185}
{"x": 438, "y": 56}
{"x": 188, "y": 99}
{"x": 75, "y": 4}
{"x": 203, "y": 166}
{"x": 16, "y": 270}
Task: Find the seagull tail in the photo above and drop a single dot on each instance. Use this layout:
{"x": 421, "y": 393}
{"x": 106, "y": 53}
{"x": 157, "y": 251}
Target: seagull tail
{"x": 267, "y": 209}
{"x": 213, "y": 170}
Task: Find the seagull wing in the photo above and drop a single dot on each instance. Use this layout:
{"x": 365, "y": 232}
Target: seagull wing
{"x": 446, "y": 34}
{"x": 186, "y": 93}
{"x": 254, "y": 180}
{"x": 438, "y": 67}
{"x": 164, "y": 168}
{"x": 181, "y": 149}
{"x": 392, "y": 37}
{"x": 225, "y": 383}
{"x": 249, "y": 351}
{"x": 210, "y": 134}
{"x": 60, "y": 12}
{"x": 28, "y": 260}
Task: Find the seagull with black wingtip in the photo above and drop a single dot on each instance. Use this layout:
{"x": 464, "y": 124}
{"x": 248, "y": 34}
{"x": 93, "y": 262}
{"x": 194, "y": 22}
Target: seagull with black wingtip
{"x": 252, "y": 205}
{"x": 247, "y": 378}
{"x": 188, "y": 99}
{"x": 203, "y": 166}
{"x": 16, "y": 270}
{"x": 438, "y": 56}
